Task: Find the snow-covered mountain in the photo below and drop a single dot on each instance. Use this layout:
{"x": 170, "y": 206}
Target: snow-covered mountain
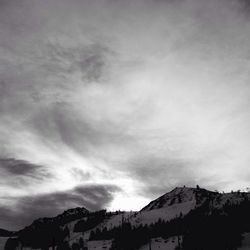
{"x": 67, "y": 216}
{"x": 195, "y": 197}
{"x": 180, "y": 195}
{"x": 79, "y": 228}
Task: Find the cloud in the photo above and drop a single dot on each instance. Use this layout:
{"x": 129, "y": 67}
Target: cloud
{"x": 160, "y": 175}
{"x": 28, "y": 208}
{"x": 19, "y": 167}
{"x": 19, "y": 173}
{"x": 91, "y": 60}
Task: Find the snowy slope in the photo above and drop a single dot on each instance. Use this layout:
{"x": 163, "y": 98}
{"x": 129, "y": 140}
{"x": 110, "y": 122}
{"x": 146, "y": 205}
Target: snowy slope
{"x": 171, "y": 205}
{"x": 176, "y": 196}
{"x": 2, "y": 242}
{"x": 112, "y": 221}
{"x": 116, "y": 220}
{"x": 162, "y": 244}
{"x": 245, "y": 242}
{"x": 164, "y": 213}
{"x": 181, "y": 195}
{"x": 179, "y": 201}
{"x": 99, "y": 244}
{"x": 73, "y": 237}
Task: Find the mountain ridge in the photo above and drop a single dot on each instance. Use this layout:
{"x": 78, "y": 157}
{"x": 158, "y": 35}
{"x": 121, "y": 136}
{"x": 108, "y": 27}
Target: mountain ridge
{"x": 181, "y": 202}
{"x": 6, "y": 233}
{"x": 185, "y": 194}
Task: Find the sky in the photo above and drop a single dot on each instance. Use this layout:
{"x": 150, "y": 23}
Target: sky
{"x": 112, "y": 103}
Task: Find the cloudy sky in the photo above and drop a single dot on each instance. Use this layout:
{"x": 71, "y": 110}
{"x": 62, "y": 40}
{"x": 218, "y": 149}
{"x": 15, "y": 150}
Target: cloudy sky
{"x": 111, "y": 103}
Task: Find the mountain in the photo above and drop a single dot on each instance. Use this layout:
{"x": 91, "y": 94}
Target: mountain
{"x": 184, "y": 218}
{"x": 197, "y": 196}
{"x": 44, "y": 232}
{"x": 61, "y": 219}
{"x": 6, "y": 233}
{"x": 180, "y": 201}
{"x": 181, "y": 195}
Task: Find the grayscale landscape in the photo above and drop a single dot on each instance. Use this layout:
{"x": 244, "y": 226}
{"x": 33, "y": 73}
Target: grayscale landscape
{"x": 124, "y": 124}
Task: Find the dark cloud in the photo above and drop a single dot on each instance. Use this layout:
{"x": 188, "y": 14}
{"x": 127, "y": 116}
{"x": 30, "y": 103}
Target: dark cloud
{"x": 19, "y": 172}
{"x": 244, "y": 6}
{"x": 91, "y": 60}
{"x": 94, "y": 63}
{"x": 20, "y": 167}
{"x": 28, "y": 208}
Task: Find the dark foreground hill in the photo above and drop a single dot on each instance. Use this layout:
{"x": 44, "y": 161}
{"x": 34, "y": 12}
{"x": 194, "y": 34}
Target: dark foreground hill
{"x": 185, "y": 218}
{"x": 6, "y": 233}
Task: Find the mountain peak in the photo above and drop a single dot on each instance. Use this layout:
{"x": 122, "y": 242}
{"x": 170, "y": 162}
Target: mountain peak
{"x": 77, "y": 210}
{"x": 61, "y": 219}
{"x": 184, "y": 188}
{"x": 179, "y": 195}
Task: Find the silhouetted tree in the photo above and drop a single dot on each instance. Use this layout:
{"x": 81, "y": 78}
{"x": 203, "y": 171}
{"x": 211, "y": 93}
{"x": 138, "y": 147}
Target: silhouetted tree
{"x": 11, "y": 244}
{"x": 75, "y": 246}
